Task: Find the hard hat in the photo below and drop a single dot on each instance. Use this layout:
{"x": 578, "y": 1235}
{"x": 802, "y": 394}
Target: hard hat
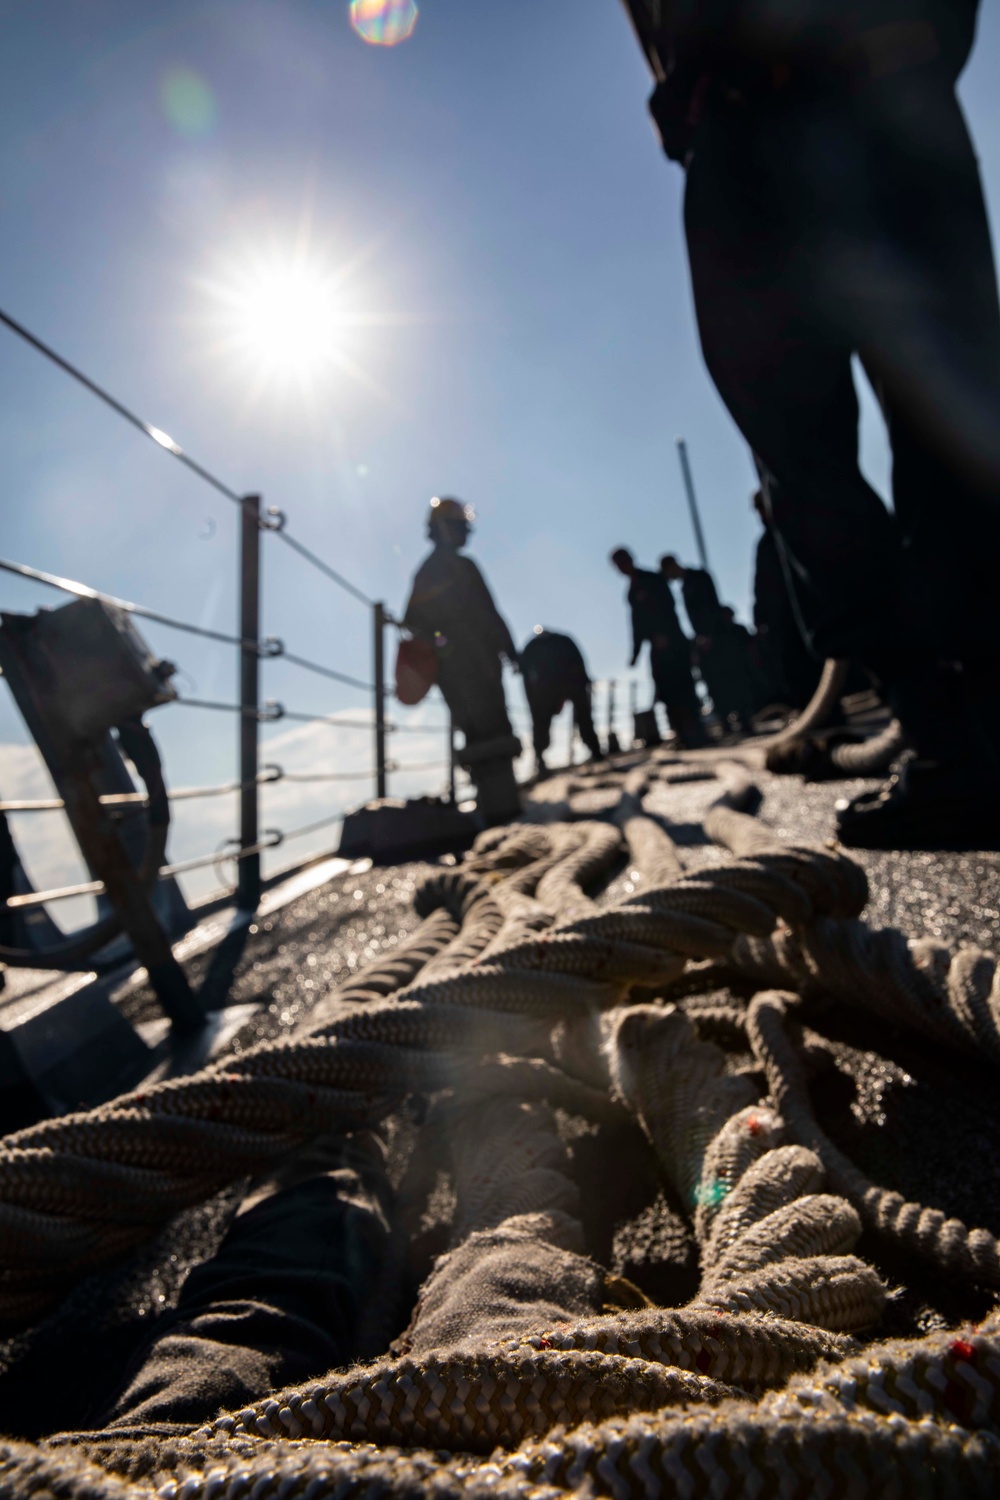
{"x": 445, "y": 508}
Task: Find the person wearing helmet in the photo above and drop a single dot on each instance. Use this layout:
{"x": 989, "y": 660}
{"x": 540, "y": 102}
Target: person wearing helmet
{"x": 451, "y": 606}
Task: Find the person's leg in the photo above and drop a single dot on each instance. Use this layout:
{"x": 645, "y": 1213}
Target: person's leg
{"x": 914, "y": 288}
{"x": 787, "y": 382}
{"x": 284, "y": 1298}
{"x": 675, "y": 689}
{"x": 583, "y": 717}
{"x": 540, "y": 707}
{"x": 786, "y": 269}
{"x": 471, "y": 680}
{"x": 933, "y": 351}
{"x": 714, "y": 670}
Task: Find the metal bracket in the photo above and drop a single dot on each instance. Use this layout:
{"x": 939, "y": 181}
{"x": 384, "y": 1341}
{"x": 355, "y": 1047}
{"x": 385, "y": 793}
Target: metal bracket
{"x": 273, "y": 520}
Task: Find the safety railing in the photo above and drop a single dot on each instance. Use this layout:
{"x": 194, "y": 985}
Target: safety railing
{"x": 255, "y": 650}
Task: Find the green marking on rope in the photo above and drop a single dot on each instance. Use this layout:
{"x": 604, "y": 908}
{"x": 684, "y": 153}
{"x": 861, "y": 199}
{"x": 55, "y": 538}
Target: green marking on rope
{"x": 711, "y": 1194}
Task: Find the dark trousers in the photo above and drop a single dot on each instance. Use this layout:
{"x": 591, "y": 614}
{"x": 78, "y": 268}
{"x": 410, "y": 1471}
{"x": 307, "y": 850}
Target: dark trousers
{"x": 471, "y": 682}
{"x": 673, "y": 686}
{"x": 824, "y": 222}
{"x": 725, "y": 666}
{"x": 287, "y": 1297}
{"x": 545, "y": 703}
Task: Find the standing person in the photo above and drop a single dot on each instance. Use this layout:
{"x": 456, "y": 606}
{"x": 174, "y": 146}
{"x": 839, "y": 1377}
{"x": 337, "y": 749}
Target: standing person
{"x": 834, "y": 207}
{"x": 554, "y": 672}
{"x": 790, "y": 670}
{"x": 654, "y": 619}
{"x": 451, "y": 607}
{"x": 701, "y": 598}
{"x": 720, "y": 652}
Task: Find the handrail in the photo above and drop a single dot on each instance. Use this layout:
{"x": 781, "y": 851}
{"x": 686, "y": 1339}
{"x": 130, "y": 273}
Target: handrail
{"x": 160, "y": 438}
{"x": 311, "y": 666}
{"x": 96, "y": 887}
{"x": 140, "y": 799}
{"x": 253, "y": 648}
{"x": 317, "y": 562}
{"x": 269, "y": 647}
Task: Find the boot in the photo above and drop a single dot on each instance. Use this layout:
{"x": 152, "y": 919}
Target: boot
{"x": 687, "y": 724}
{"x": 948, "y": 795}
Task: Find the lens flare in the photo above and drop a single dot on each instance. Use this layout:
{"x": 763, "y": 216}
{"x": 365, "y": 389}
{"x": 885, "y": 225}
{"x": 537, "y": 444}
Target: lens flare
{"x": 384, "y": 22}
{"x": 188, "y": 102}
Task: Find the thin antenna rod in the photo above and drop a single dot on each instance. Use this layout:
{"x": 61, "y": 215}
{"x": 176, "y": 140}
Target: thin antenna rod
{"x": 699, "y": 535}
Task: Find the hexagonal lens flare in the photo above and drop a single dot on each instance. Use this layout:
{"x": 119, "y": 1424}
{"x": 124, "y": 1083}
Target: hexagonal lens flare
{"x": 384, "y": 22}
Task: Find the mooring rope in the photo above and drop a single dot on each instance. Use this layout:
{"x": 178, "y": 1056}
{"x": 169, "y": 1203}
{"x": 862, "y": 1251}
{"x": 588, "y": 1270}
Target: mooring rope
{"x": 513, "y": 998}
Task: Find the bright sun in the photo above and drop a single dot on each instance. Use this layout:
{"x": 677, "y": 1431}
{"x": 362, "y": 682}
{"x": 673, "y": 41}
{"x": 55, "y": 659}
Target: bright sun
{"x": 289, "y": 320}
{"x": 286, "y": 321}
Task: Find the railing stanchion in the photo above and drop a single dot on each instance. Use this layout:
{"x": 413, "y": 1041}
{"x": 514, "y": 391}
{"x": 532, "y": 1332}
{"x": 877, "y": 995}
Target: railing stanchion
{"x": 248, "y": 886}
{"x": 378, "y": 615}
{"x": 451, "y": 757}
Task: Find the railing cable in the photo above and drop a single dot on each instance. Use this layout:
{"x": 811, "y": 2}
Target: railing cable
{"x": 336, "y": 723}
{"x": 311, "y": 666}
{"x": 270, "y": 647}
{"x": 306, "y": 777}
{"x": 323, "y": 567}
{"x": 271, "y": 840}
{"x": 160, "y": 438}
{"x": 297, "y": 833}
{"x": 140, "y": 799}
{"x": 83, "y": 591}
{"x": 269, "y": 714}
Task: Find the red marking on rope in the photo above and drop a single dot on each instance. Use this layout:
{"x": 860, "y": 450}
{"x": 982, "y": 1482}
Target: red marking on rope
{"x": 754, "y": 1126}
{"x": 545, "y": 1343}
{"x": 960, "y": 1349}
{"x": 703, "y": 1360}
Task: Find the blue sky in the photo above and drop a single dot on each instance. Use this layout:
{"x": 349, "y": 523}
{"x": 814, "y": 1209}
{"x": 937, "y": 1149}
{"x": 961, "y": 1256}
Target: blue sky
{"x": 505, "y": 237}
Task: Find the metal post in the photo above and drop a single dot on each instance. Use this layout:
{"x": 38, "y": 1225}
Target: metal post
{"x": 692, "y": 501}
{"x": 248, "y": 882}
{"x": 451, "y": 757}
{"x": 379, "y": 655}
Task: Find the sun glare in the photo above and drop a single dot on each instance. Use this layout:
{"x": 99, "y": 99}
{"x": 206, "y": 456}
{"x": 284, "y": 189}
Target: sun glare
{"x": 285, "y": 321}
{"x": 291, "y": 320}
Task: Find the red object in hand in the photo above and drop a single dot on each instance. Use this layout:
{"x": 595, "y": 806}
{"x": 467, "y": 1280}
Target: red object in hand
{"x": 416, "y": 670}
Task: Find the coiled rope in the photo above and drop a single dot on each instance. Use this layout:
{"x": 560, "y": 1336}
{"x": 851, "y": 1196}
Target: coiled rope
{"x": 757, "y": 1387}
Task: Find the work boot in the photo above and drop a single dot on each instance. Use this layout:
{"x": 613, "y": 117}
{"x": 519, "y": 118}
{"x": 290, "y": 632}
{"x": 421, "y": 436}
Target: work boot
{"x": 948, "y": 795}
{"x": 924, "y": 806}
{"x": 688, "y": 725}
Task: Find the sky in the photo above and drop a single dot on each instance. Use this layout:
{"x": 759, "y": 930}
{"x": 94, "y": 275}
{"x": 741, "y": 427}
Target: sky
{"x": 483, "y": 218}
